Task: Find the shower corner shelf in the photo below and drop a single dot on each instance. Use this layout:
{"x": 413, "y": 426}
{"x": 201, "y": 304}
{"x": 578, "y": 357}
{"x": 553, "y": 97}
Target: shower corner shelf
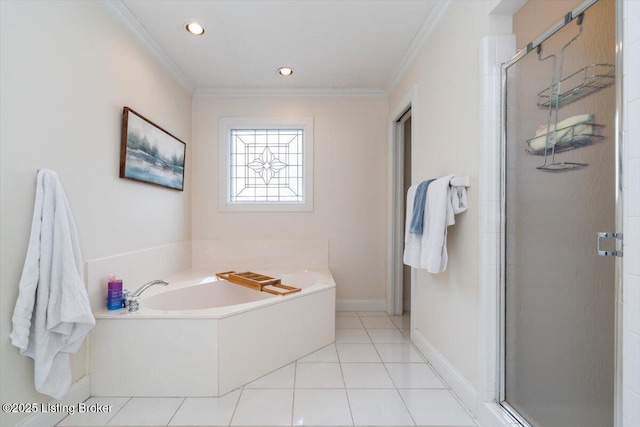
{"x": 582, "y": 83}
{"x": 561, "y": 166}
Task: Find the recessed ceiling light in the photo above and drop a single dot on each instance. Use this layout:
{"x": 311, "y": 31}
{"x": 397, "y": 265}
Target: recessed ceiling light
{"x": 285, "y": 71}
{"x": 195, "y": 28}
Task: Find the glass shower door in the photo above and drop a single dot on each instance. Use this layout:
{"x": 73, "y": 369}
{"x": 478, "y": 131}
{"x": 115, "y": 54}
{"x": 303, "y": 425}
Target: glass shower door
{"x": 559, "y": 313}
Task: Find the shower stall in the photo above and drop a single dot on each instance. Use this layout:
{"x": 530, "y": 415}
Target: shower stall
{"x": 559, "y": 191}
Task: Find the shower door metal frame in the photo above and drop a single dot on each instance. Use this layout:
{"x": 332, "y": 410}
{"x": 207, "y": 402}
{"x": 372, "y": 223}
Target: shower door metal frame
{"x": 619, "y": 156}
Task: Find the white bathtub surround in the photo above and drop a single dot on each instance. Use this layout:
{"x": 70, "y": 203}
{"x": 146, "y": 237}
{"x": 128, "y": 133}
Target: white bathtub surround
{"x": 148, "y": 353}
{"x": 160, "y": 262}
{"x": 242, "y": 255}
{"x": 135, "y": 269}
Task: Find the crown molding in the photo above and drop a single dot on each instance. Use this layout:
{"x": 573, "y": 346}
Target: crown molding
{"x": 292, "y": 93}
{"x": 128, "y": 18}
{"x": 420, "y": 39}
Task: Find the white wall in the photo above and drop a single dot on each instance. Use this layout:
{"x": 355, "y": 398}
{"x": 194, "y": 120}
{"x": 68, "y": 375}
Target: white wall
{"x": 350, "y": 185}
{"x": 67, "y": 69}
{"x": 446, "y": 124}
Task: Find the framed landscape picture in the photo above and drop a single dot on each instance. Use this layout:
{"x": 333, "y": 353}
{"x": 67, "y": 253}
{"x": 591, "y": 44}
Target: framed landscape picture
{"x": 149, "y": 153}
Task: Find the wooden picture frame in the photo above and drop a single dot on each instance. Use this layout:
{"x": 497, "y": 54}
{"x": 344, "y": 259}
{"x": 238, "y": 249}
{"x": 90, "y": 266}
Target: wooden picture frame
{"x": 149, "y": 153}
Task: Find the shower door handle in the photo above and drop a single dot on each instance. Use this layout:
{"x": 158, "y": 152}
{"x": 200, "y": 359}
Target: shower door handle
{"x": 617, "y": 236}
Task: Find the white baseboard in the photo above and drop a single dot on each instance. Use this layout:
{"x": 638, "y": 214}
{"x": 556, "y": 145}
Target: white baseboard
{"x": 487, "y": 414}
{"x": 490, "y": 414}
{"x": 459, "y": 384}
{"x": 78, "y": 392}
{"x": 361, "y": 305}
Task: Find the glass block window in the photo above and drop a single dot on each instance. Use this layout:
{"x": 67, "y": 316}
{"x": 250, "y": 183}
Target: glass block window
{"x": 267, "y": 164}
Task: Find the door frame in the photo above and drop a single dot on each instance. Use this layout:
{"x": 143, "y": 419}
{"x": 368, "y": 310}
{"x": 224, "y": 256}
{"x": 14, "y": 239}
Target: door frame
{"x": 396, "y": 219}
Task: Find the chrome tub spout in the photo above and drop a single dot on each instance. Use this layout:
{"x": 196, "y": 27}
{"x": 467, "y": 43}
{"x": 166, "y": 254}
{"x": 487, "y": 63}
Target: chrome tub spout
{"x": 131, "y": 299}
{"x": 148, "y": 285}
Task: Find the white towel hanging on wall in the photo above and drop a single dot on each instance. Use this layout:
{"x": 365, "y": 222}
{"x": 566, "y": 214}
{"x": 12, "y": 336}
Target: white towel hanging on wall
{"x": 412, "y": 242}
{"x": 459, "y": 194}
{"x": 446, "y": 197}
{"x": 52, "y": 315}
{"x": 438, "y": 216}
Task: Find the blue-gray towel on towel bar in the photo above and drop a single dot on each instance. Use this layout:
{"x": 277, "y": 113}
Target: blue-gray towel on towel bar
{"x": 417, "y": 220}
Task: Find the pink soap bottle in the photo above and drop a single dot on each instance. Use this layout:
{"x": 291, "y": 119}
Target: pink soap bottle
{"x": 114, "y": 293}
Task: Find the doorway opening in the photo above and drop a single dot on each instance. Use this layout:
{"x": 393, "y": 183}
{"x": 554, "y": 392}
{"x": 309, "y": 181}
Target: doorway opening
{"x": 399, "y": 298}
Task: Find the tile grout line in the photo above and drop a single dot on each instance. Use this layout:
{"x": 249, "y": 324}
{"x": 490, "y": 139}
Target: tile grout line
{"x": 235, "y": 409}
{"x": 353, "y": 421}
{"x": 129, "y": 399}
{"x": 391, "y": 378}
{"x": 96, "y": 397}
{"x": 118, "y": 411}
{"x": 447, "y": 387}
{"x": 176, "y": 411}
{"x": 293, "y": 400}
{"x": 464, "y": 408}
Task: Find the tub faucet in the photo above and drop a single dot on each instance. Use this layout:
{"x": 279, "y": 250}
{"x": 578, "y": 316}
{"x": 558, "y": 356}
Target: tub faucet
{"x": 131, "y": 299}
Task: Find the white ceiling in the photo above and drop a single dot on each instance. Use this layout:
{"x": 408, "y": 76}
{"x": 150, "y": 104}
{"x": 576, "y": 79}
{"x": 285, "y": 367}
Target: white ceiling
{"x": 356, "y": 45}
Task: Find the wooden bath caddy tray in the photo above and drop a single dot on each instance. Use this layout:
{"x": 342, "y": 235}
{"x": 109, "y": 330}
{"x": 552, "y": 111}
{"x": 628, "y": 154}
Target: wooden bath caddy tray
{"x": 259, "y": 282}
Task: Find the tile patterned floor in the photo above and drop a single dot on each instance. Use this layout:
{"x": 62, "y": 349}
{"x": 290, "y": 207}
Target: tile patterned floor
{"x": 371, "y": 376}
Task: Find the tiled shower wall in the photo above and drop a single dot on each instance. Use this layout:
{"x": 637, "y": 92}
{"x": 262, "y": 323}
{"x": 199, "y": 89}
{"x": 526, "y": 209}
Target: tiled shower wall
{"x": 631, "y": 183}
{"x": 494, "y": 50}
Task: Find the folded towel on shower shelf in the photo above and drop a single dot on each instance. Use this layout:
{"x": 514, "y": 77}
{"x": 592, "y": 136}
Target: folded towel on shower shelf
{"x": 565, "y": 131}
{"x": 52, "y": 315}
{"x": 417, "y": 219}
{"x": 571, "y": 121}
